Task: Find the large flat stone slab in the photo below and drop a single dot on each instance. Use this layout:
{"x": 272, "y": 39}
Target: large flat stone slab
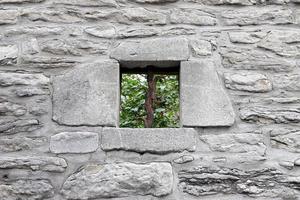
{"x": 167, "y": 49}
{"x": 119, "y": 180}
{"x": 159, "y": 140}
{"x": 74, "y": 142}
{"x": 87, "y": 95}
{"x": 204, "y": 102}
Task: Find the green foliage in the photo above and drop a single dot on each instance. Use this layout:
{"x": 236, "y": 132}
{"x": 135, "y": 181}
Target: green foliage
{"x": 133, "y": 94}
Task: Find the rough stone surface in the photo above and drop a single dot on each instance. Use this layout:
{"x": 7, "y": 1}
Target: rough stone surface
{"x": 14, "y": 144}
{"x": 270, "y": 114}
{"x": 201, "y": 48}
{"x": 48, "y": 62}
{"x": 8, "y": 16}
{"x": 200, "y": 84}
{"x": 8, "y": 54}
{"x": 200, "y": 181}
{"x": 251, "y": 59}
{"x": 13, "y": 126}
{"x": 251, "y": 82}
{"x": 183, "y": 159}
{"x": 11, "y": 79}
{"x": 246, "y": 37}
{"x": 78, "y": 93}
{"x": 121, "y": 180}
{"x": 289, "y": 82}
{"x": 51, "y": 164}
{"x": 286, "y": 138}
{"x": 160, "y": 141}
{"x": 74, "y": 142}
{"x": 172, "y": 49}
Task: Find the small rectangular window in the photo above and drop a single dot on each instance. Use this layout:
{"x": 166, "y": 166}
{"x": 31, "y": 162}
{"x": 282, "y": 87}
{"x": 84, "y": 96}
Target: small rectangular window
{"x": 150, "y": 95}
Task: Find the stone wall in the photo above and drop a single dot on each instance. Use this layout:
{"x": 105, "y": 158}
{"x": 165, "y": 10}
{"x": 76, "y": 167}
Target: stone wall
{"x": 59, "y": 97}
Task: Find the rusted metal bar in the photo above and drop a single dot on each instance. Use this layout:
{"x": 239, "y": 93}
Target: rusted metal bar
{"x": 150, "y": 98}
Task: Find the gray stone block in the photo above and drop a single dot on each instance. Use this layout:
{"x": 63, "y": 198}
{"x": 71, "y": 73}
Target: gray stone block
{"x": 159, "y": 140}
{"x": 87, "y": 95}
{"x": 74, "y": 142}
{"x": 204, "y": 102}
{"x": 168, "y": 49}
{"x": 119, "y": 180}
{"x": 8, "y": 54}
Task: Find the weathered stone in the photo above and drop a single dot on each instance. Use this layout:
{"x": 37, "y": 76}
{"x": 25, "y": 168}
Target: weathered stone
{"x": 21, "y": 1}
{"x": 8, "y": 108}
{"x": 8, "y": 16}
{"x": 154, "y": 1}
{"x": 84, "y": 3}
{"x": 250, "y": 82}
{"x": 263, "y": 15}
{"x": 42, "y": 163}
{"x": 30, "y": 47}
{"x": 297, "y": 162}
{"x": 26, "y": 189}
{"x": 183, "y": 159}
{"x": 249, "y": 59}
{"x": 8, "y": 54}
{"x": 286, "y": 138}
{"x": 102, "y": 31}
{"x": 137, "y": 32}
{"x": 167, "y": 49}
{"x": 84, "y": 90}
{"x": 12, "y": 78}
{"x": 48, "y": 62}
{"x": 164, "y": 140}
{"x": 121, "y": 180}
{"x": 267, "y": 182}
{"x": 201, "y": 48}
{"x": 236, "y": 143}
{"x": 74, "y": 47}
{"x": 289, "y": 82}
{"x": 30, "y": 91}
{"x": 200, "y": 86}
{"x": 142, "y": 15}
{"x": 246, "y": 37}
{"x": 34, "y": 30}
{"x": 74, "y": 142}
{"x": 284, "y": 43}
{"x": 12, "y": 144}
{"x": 178, "y": 31}
{"x": 192, "y": 16}
{"x": 287, "y": 164}
{"x": 231, "y": 2}
{"x": 267, "y": 115}
{"x": 13, "y": 126}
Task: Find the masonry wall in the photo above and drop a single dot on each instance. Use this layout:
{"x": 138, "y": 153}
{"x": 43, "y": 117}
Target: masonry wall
{"x": 240, "y": 100}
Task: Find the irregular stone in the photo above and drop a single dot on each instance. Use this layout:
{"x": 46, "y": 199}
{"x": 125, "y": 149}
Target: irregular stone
{"x": 178, "y": 31}
{"x": 8, "y": 54}
{"x": 159, "y": 141}
{"x": 201, "y": 48}
{"x": 249, "y": 59}
{"x": 250, "y": 82}
{"x": 256, "y": 16}
{"x": 142, "y": 15}
{"x": 89, "y": 3}
{"x": 26, "y": 189}
{"x": 13, "y": 126}
{"x": 267, "y": 182}
{"x": 192, "y": 16}
{"x": 283, "y": 43}
{"x": 74, "y": 47}
{"x": 121, "y": 180}
{"x": 8, "y": 108}
{"x": 200, "y": 86}
{"x": 74, "y": 142}
{"x": 42, "y": 163}
{"x": 287, "y": 164}
{"x": 286, "y": 138}
{"x": 297, "y": 162}
{"x": 167, "y": 49}
{"x": 289, "y": 82}
{"x": 232, "y": 2}
{"x": 101, "y": 31}
{"x": 13, "y": 144}
{"x": 266, "y": 115}
{"x": 183, "y": 159}
{"x": 81, "y": 91}
{"x": 136, "y": 32}
{"x": 246, "y": 37}
{"x": 34, "y": 30}
{"x": 13, "y": 78}
{"x": 30, "y": 47}
{"x": 21, "y": 1}
{"x": 45, "y": 62}
{"x": 236, "y": 143}
{"x": 8, "y": 16}
{"x": 30, "y": 91}
{"x": 154, "y": 1}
